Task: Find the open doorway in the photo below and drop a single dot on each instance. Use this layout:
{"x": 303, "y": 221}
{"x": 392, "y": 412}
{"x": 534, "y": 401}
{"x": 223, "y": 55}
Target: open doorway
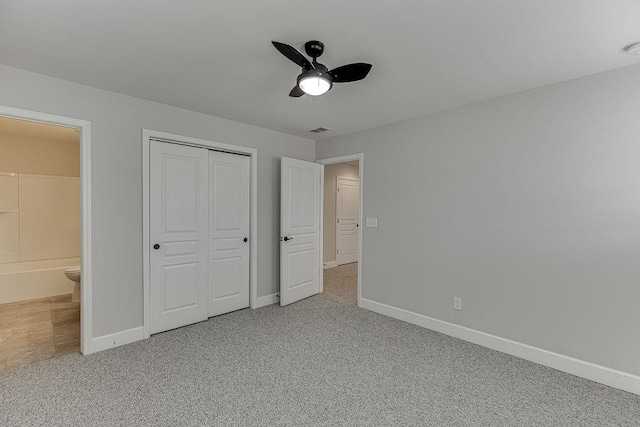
{"x": 40, "y": 244}
{"x": 44, "y": 237}
{"x": 342, "y": 216}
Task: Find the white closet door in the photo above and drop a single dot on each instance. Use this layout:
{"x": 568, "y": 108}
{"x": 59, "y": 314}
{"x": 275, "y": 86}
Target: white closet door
{"x": 347, "y": 213}
{"x": 229, "y": 232}
{"x": 179, "y": 233}
{"x": 300, "y": 198}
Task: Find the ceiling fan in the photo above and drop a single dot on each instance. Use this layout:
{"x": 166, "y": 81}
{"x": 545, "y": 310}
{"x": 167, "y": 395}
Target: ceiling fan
{"x": 316, "y": 78}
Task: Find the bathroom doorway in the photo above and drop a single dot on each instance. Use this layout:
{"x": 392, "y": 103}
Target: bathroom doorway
{"x": 41, "y": 240}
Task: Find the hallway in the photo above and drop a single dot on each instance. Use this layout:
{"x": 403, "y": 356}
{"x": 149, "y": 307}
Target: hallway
{"x": 341, "y": 283}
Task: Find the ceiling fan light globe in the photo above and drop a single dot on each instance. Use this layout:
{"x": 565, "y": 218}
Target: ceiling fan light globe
{"x": 315, "y": 82}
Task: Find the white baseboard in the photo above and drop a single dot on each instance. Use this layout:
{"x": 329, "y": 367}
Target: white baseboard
{"x": 117, "y": 339}
{"x": 266, "y": 300}
{"x": 591, "y": 371}
{"x": 330, "y": 264}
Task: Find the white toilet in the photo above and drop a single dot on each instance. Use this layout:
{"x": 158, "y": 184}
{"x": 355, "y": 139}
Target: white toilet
{"x": 74, "y": 275}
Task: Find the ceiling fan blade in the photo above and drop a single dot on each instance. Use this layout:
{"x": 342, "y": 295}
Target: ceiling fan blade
{"x": 293, "y": 54}
{"x": 350, "y": 73}
{"x": 296, "y": 92}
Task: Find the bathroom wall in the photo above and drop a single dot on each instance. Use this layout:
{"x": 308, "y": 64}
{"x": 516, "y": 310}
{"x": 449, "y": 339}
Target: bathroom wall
{"x": 39, "y": 217}
{"x": 9, "y": 200}
{"x": 39, "y": 235}
{"x": 39, "y": 209}
{"x": 49, "y": 217}
{"x": 39, "y": 156}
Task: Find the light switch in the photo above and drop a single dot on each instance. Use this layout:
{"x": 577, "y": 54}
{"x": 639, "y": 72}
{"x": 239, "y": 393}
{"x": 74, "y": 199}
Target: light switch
{"x": 372, "y": 222}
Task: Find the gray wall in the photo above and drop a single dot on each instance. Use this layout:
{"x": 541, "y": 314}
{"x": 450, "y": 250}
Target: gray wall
{"x": 117, "y": 122}
{"x": 526, "y": 206}
{"x": 331, "y": 174}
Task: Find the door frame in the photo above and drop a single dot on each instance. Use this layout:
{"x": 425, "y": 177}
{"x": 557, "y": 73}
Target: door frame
{"x": 147, "y": 135}
{"x": 345, "y": 178}
{"x": 343, "y": 159}
{"x": 84, "y": 129}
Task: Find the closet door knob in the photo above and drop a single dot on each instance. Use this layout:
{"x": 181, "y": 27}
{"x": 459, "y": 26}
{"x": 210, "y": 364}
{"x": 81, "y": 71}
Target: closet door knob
{"x": 156, "y": 246}
{"x": 286, "y": 239}
{"x": 246, "y": 240}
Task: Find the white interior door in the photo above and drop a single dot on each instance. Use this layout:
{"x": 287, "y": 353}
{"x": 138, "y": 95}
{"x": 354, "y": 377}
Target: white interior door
{"x": 179, "y": 232}
{"x": 229, "y": 231}
{"x": 347, "y": 214}
{"x": 301, "y": 203}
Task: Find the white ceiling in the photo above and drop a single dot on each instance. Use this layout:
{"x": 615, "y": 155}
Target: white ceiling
{"x": 216, "y": 57}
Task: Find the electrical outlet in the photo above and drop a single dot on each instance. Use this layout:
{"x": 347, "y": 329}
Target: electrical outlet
{"x": 457, "y": 303}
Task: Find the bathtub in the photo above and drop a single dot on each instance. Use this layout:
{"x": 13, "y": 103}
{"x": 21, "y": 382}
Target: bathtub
{"x": 26, "y": 280}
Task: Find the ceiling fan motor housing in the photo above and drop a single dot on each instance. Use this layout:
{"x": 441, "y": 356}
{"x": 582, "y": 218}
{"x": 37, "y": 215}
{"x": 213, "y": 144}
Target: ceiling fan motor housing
{"x": 314, "y": 48}
{"x": 316, "y": 73}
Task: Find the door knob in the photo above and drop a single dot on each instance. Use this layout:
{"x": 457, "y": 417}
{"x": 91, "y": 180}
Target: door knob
{"x": 286, "y": 239}
{"x": 156, "y": 246}
{"x": 245, "y": 240}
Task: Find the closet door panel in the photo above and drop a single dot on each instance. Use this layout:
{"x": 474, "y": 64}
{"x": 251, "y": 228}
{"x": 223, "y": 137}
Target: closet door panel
{"x": 179, "y": 212}
{"x": 229, "y": 232}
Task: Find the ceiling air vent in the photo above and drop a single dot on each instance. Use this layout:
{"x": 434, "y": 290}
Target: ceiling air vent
{"x": 319, "y": 130}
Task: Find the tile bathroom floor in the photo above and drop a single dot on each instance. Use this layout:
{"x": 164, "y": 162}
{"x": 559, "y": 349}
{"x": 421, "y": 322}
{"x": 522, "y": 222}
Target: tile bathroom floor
{"x": 37, "y": 330}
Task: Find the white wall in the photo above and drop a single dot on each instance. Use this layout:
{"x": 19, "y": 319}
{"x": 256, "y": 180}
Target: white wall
{"x": 49, "y": 217}
{"x": 39, "y": 220}
{"x": 331, "y": 174}
{"x": 526, "y": 206}
{"x": 117, "y": 122}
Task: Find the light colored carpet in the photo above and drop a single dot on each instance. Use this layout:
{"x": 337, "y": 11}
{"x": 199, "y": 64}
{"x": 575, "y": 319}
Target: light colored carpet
{"x": 341, "y": 283}
{"x": 316, "y": 362}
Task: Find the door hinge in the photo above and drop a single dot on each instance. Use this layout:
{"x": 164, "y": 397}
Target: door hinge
{"x": 338, "y": 220}
{"x": 337, "y": 251}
